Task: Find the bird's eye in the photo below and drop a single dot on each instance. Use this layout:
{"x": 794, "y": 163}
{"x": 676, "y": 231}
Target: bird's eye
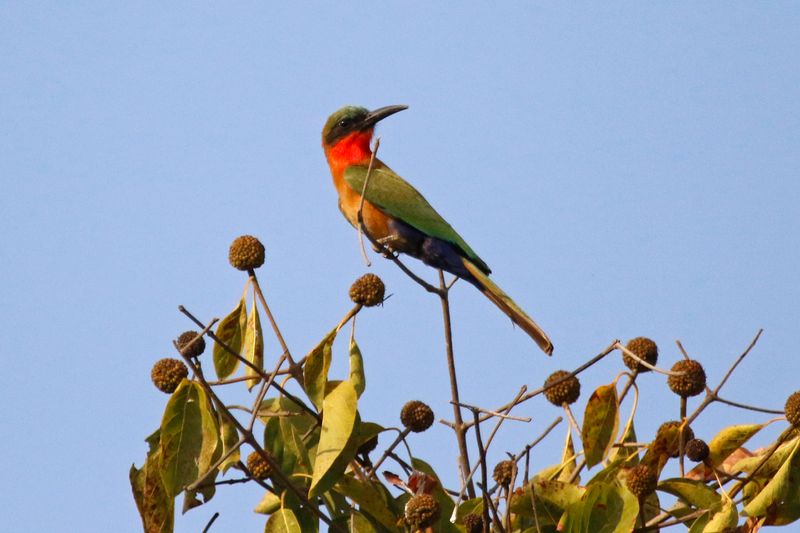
{"x": 345, "y": 122}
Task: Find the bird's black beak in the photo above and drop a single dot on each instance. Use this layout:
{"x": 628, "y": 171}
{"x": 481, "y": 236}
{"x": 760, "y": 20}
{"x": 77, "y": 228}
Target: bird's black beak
{"x": 381, "y": 113}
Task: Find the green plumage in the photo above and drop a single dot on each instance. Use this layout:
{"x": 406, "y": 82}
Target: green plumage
{"x": 398, "y": 198}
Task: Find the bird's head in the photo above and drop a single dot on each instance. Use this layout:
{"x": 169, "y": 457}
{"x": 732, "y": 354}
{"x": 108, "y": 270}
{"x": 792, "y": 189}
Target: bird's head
{"x": 351, "y": 120}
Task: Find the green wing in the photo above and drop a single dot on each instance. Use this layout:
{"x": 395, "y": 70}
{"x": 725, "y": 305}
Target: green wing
{"x": 398, "y": 198}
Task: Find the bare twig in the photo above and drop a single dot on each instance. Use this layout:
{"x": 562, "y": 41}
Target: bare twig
{"x": 252, "y": 441}
{"x": 541, "y": 437}
{"x": 713, "y": 395}
{"x": 749, "y": 407}
{"x": 360, "y": 216}
{"x": 247, "y": 363}
{"x": 493, "y": 413}
{"x": 295, "y": 369}
{"x": 208, "y": 525}
{"x": 644, "y": 363}
{"x": 460, "y": 429}
{"x": 484, "y": 472}
{"x": 400, "y": 438}
{"x": 610, "y": 348}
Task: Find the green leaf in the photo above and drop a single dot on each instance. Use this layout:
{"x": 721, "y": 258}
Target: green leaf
{"x": 283, "y": 521}
{"x": 155, "y": 506}
{"x": 189, "y": 437}
{"x": 358, "y": 523}
{"x": 629, "y": 456}
{"x": 254, "y": 347}
{"x": 600, "y": 422}
{"x": 270, "y": 503}
{"x": 568, "y": 459}
{"x": 773, "y": 463}
{"x": 285, "y": 425}
{"x": 357, "y": 377}
{"x": 446, "y": 504}
{"x": 551, "y": 498}
{"x": 315, "y": 370}
{"x": 699, "y": 525}
{"x": 604, "y": 508}
{"x": 229, "y": 438}
{"x": 694, "y": 492}
{"x": 338, "y": 424}
{"x": 723, "y": 519}
{"x": 230, "y": 331}
{"x": 730, "y": 439}
{"x": 774, "y": 495}
{"x": 371, "y": 498}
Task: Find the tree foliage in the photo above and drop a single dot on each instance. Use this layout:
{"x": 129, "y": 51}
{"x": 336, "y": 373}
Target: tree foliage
{"x": 323, "y": 463}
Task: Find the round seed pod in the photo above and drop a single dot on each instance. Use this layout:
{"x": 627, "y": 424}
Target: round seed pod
{"x": 417, "y": 416}
{"x": 568, "y": 391}
{"x": 368, "y": 290}
{"x": 668, "y": 437}
{"x": 422, "y": 511}
{"x": 792, "y": 409}
{"x": 246, "y": 253}
{"x": 197, "y": 347}
{"x": 643, "y": 348}
{"x": 642, "y": 480}
{"x": 693, "y": 380}
{"x": 473, "y": 523}
{"x": 258, "y": 466}
{"x": 167, "y": 374}
{"x": 504, "y": 472}
{"x": 697, "y": 450}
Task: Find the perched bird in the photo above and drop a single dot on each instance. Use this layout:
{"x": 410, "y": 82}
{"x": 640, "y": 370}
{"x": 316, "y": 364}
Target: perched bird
{"x": 396, "y": 215}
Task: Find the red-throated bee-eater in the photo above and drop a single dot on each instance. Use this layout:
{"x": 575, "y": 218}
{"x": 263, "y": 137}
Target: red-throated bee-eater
{"x": 396, "y": 215}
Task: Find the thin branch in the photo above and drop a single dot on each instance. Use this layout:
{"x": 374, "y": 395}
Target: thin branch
{"x": 400, "y": 438}
{"x": 571, "y": 418}
{"x": 739, "y": 360}
{"x": 294, "y": 368}
{"x": 360, "y": 216}
{"x": 484, "y": 472}
{"x": 208, "y": 525}
{"x": 252, "y": 441}
{"x": 460, "y": 429}
{"x": 540, "y": 438}
{"x": 475, "y": 408}
{"x": 610, "y": 348}
{"x": 644, "y": 363}
{"x": 247, "y": 363}
{"x": 750, "y": 407}
{"x": 713, "y": 395}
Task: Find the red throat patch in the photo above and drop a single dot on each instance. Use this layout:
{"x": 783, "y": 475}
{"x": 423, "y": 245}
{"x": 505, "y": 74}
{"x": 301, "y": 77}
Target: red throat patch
{"x": 351, "y": 149}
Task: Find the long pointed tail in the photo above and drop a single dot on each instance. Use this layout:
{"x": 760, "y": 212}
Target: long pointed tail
{"x": 509, "y": 307}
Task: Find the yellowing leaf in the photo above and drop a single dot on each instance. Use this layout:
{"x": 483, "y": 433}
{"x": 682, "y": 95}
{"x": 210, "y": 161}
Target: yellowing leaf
{"x": 604, "y": 507}
{"x": 283, "y": 521}
{"x": 371, "y": 498}
{"x": 231, "y": 332}
{"x": 155, "y": 506}
{"x": 189, "y": 437}
{"x": 600, "y": 423}
{"x": 357, "y": 377}
{"x": 230, "y": 438}
{"x": 270, "y": 503}
{"x": 693, "y": 492}
{"x": 724, "y": 518}
{"x": 254, "y": 347}
{"x": 774, "y": 494}
{"x": 315, "y": 370}
{"x": 338, "y": 425}
{"x": 729, "y": 440}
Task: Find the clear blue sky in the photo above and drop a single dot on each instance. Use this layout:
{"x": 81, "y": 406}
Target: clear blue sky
{"x": 625, "y": 169}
